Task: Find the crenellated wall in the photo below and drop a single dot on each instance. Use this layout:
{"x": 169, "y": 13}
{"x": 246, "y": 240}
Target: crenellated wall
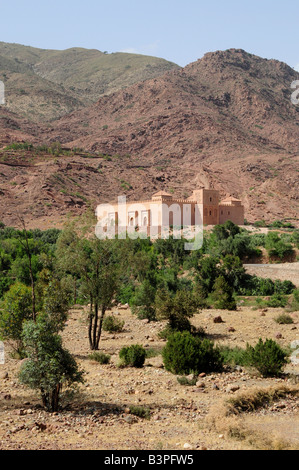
{"x": 162, "y": 211}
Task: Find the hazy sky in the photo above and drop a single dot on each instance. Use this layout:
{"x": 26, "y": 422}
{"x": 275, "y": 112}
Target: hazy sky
{"x": 178, "y": 30}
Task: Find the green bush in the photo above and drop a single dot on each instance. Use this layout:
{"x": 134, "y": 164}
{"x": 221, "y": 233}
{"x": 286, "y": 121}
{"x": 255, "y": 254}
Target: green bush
{"x": 295, "y": 238}
{"x": 185, "y": 354}
{"x": 113, "y": 324}
{"x": 140, "y": 411}
{"x": 284, "y": 287}
{"x": 133, "y": 356}
{"x": 277, "y": 301}
{"x": 284, "y": 319}
{"x": 235, "y": 356}
{"x": 100, "y": 357}
{"x": 277, "y": 247}
{"x": 267, "y": 357}
{"x": 295, "y": 301}
{"x": 49, "y": 367}
{"x": 185, "y": 381}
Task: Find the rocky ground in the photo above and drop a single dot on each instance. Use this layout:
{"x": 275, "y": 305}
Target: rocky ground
{"x": 182, "y": 417}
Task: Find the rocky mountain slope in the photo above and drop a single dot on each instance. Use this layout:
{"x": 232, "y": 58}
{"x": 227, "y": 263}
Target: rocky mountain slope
{"x": 225, "y": 122}
{"x": 43, "y": 85}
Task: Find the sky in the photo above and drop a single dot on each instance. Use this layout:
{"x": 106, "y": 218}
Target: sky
{"x": 180, "y": 31}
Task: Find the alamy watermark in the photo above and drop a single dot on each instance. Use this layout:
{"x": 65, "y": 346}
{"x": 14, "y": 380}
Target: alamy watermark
{"x": 295, "y": 94}
{"x": 154, "y": 220}
{"x": 2, "y": 93}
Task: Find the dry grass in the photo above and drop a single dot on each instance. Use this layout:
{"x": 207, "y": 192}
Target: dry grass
{"x": 235, "y": 418}
{"x": 258, "y": 398}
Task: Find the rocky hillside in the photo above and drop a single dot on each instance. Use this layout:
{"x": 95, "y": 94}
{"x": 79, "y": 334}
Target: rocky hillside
{"x": 43, "y": 84}
{"x": 225, "y": 122}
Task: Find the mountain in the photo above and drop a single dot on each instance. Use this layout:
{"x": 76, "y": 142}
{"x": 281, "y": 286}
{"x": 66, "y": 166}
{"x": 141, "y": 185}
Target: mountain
{"x": 43, "y": 85}
{"x": 225, "y": 121}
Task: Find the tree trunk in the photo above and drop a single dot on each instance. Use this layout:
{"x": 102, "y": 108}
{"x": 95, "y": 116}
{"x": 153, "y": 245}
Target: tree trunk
{"x": 32, "y": 289}
{"x": 75, "y": 291}
{"x": 28, "y": 252}
{"x": 95, "y": 326}
{"x": 55, "y": 398}
{"x": 100, "y": 328}
{"x": 45, "y": 399}
{"x": 90, "y": 323}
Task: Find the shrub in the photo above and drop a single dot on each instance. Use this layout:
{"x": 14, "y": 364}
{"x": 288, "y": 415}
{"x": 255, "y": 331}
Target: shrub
{"x": 153, "y": 352}
{"x": 267, "y": 357}
{"x": 113, "y": 324}
{"x": 295, "y": 300}
{"x": 185, "y": 354}
{"x": 49, "y": 366}
{"x": 100, "y": 357}
{"x": 133, "y": 356}
{"x": 257, "y": 286}
{"x": 185, "y": 381}
{"x": 168, "y": 331}
{"x": 140, "y": 411}
{"x": 284, "y": 287}
{"x": 284, "y": 319}
{"x": 276, "y": 246}
{"x": 144, "y": 312}
{"x": 235, "y": 356}
{"x": 295, "y": 238}
{"x": 277, "y": 300}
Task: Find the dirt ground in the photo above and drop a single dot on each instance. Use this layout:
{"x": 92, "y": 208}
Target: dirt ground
{"x": 97, "y": 417}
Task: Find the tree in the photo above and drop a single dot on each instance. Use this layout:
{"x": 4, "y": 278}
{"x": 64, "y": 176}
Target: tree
{"x": 24, "y": 241}
{"x": 56, "y": 303}
{"x": 98, "y": 266}
{"x": 208, "y": 271}
{"x": 143, "y": 302}
{"x": 223, "y": 295}
{"x": 100, "y": 274}
{"x": 66, "y": 257}
{"x": 16, "y": 308}
{"x": 233, "y": 271}
{"x": 177, "y": 309}
{"x": 49, "y": 366}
